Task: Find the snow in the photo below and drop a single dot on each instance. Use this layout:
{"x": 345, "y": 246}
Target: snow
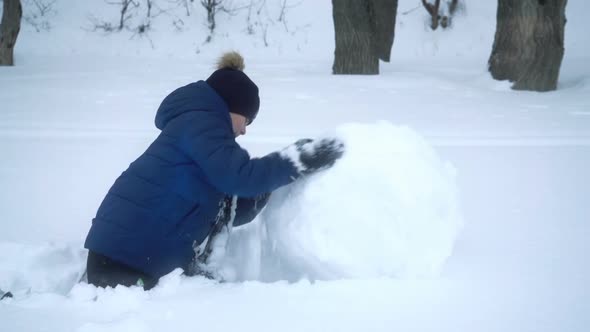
{"x": 57, "y": 267}
{"x": 79, "y": 107}
{"x": 401, "y": 221}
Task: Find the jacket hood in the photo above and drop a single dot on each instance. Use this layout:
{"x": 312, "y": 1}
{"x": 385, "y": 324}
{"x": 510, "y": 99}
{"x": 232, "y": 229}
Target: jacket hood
{"x": 198, "y": 96}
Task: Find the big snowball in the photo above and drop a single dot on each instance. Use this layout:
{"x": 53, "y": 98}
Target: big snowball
{"x": 388, "y": 208}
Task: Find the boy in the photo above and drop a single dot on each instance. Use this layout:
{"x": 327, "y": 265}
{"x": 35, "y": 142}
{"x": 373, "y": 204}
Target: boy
{"x": 171, "y": 197}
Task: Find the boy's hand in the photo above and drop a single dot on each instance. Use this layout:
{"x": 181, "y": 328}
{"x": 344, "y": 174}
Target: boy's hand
{"x": 310, "y": 156}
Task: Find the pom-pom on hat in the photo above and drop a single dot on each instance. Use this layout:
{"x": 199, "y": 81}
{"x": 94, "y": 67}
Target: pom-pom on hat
{"x": 237, "y": 90}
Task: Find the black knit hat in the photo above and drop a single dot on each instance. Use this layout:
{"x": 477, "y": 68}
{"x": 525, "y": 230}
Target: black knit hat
{"x": 237, "y": 90}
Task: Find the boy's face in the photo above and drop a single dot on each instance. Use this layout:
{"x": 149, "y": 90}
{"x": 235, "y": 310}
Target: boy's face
{"x": 238, "y": 123}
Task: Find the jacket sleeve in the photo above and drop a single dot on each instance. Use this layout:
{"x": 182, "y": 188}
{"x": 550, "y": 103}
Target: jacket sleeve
{"x": 211, "y": 144}
{"x": 248, "y": 208}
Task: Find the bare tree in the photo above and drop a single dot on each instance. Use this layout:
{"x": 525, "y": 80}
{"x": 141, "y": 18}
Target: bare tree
{"x": 364, "y": 32}
{"x": 432, "y": 10}
{"x": 285, "y": 7}
{"x": 146, "y": 24}
{"x": 124, "y": 15}
{"x": 9, "y": 29}
{"x": 38, "y": 12}
{"x": 186, "y": 5}
{"x": 528, "y": 46}
{"x": 124, "y": 9}
{"x": 212, "y": 7}
{"x": 438, "y": 15}
{"x": 134, "y": 15}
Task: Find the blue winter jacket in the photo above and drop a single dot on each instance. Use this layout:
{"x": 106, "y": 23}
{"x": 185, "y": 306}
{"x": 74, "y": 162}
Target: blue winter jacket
{"x": 169, "y": 197}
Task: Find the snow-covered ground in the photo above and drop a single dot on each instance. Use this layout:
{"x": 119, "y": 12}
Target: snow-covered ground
{"x": 72, "y": 118}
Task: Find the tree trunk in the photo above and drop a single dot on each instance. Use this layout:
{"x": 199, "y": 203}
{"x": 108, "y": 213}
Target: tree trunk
{"x": 364, "y": 33}
{"x": 528, "y": 46}
{"x": 384, "y": 14}
{"x": 9, "y": 28}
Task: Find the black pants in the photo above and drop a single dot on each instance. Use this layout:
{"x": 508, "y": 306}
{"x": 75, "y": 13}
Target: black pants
{"x": 104, "y": 272}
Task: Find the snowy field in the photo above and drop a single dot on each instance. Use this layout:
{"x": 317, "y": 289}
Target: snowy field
{"x": 514, "y": 165}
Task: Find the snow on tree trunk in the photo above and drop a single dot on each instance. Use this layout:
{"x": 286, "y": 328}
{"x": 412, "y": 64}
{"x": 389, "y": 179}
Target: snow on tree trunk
{"x": 9, "y": 28}
{"x": 364, "y": 32}
{"x": 528, "y": 46}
